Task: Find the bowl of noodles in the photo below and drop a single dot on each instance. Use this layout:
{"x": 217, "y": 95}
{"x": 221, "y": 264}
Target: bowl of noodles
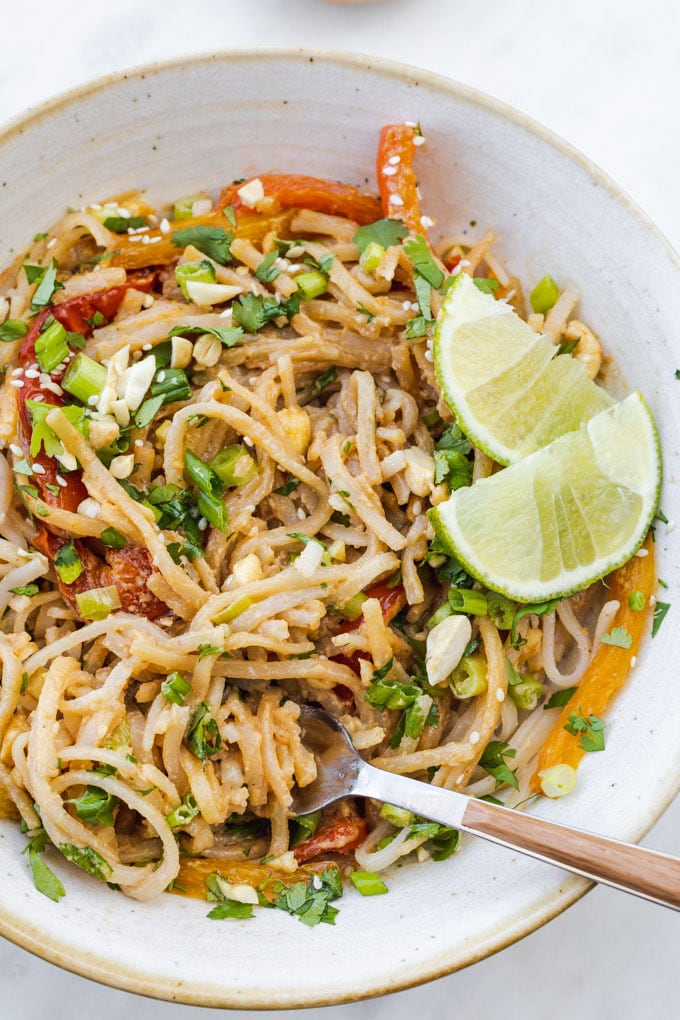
{"x": 221, "y": 436}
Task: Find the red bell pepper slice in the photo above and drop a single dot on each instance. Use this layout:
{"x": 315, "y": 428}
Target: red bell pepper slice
{"x": 298, "y": 191}
{"x": 396, "y": 176}
{"x": 338, "y": 838}
{"x": 392, "y": 600}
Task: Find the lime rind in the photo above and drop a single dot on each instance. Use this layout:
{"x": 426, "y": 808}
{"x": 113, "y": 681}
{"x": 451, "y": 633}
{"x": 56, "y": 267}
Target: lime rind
{"x": 561, "y": 519}
{"x": 503, "y": 381}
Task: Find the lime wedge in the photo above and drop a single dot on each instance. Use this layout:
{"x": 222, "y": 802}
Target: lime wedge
{"x": 563, "y": 517}
{"x": 510, "y": 393}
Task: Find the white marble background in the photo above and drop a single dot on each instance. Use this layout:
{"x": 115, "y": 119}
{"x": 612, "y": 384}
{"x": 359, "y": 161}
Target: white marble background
{"x": 605, "y": 74}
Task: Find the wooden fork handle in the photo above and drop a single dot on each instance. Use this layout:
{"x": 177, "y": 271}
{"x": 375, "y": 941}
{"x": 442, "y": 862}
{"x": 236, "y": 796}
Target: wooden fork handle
{"x": 647, "y": 873}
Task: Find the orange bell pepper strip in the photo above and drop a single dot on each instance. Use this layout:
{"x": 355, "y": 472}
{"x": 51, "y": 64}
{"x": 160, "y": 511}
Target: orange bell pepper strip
{"x": 396, "y": 176}
{"x": 609, "y": 667}
{"x": 298, "y": 191}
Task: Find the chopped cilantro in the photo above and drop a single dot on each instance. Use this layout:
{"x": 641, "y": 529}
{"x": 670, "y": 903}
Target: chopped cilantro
{"x": 590, "y": 728}
{"x": 95, "y": 806}
{"x": 203, "y": 737}
{"x": 317, "y": 387}
{"x": 44, "y": 879}
{"x": 113, "y": 538}
{"x": 560, "y": 698}
{"x": 11, "y": 330}
{"x": 618, "y": 637}
{"x": 486, "y": 285}
{"x": 535, "y": 609}
{"x": 26, "y": 589}
{"x": 290, "y": 485}
{"x": 660, "y": 610}
{"x": 310, "y": 902}
{"x": 212, "y": 241}
{"x": 267, "y": 271}
{"x": 423, "y": 264}
{"x": 88, "y": 859}
{"x": 253, "y": 311}
{"x": 383, "y": 232}
{"x": 492, "y": 761}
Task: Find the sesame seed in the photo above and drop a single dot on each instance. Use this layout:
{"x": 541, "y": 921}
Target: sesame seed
{"x": 160, "y": 377}
{"x": 248, "y": 441}
{"x": 124, "y": 214}
{"x": 139, "y": 442}
{"x": 633, "y": 662}
{"x": 202, "y": 524}
{"x": 38, "y": 398}
{"x": 31, "y": 373}
{"x": 394, "y": 160}
{"x": 419, "y": 140}
{"x": 670, "y": 526}
{"x": 396, "y": 200}
{"x": 133, "y": 240}
{"x": 389, "y": 171}
{"x": 146, "y": 239}
{"x": 147, "y": 347}
{"x": 61, "y": 481}
{"x": 17, "y": 371}
{"x": 18, "y": 383}
{"x": 38, "y": 469}
{"x": 411, "y": 123}
{"x": 426, "y": 221}
{"x": 51, "y": 243}
{"x": 16, "y": 450}
{"x": 428, "y": 355}
{"x": 500, "y": 695}
{"x": 165, "y": 226}
{"x": 155, "y": 240}
{"x": 652, "y": 600}
{"x": 641, "y": 553}
{"x": 474, "y": 737}
{"x": 406, "y": 305}
{"x": 414, "y": 306}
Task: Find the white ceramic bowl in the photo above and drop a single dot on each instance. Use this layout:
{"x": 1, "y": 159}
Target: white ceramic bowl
{"x": 177, "y": 127}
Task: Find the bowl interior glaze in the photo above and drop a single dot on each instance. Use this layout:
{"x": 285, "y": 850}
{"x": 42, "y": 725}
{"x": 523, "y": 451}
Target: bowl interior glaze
{"x": 187, "y": 125}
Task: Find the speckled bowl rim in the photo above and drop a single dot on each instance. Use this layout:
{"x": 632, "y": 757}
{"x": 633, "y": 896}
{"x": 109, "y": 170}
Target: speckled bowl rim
{"x": 29, "y": 936}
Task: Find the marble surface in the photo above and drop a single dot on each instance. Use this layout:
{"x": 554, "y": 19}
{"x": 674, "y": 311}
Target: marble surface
{"x": 604, "y": 75}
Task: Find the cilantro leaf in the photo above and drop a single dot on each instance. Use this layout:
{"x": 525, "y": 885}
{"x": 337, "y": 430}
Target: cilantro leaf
{"x": 212, "y": 241}
{"x": 253, "y": 311}
{"x": 47, "y": 286}
{"x": 384, "y": 232}
{"x": 26, "y": 589}
{"x": 560, "y": 698}
{"x": 95, "y": 806}
{"x": 310, "y": 902}
{"x": 88, "y": 859}
{"x": 231, "y": 910}
{"x": 660, "y": 610}
{"x": 203, "y": 737}
{"x": 44, "y": 879}
{"x": 267, "y": 272}
{"x": 492, "y": 761}
{"x": 316, "y": 388}
{"x": 290, "y": 485}
{"x": 229, "y": 336}
{"x": 618, "y": 637}
{"x": 590, "y": 728}
{"x": 535, "y": 609}
{"x": 486, "y": 285}
{"x": 423, "y": 264}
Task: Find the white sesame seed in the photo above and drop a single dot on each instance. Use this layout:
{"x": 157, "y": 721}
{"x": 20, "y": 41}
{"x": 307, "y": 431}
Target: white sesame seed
{"x": 652, "y": 600}
{"x": 147, "y": 347}
{"x": 419, "y": 140}
{"x": 16, "y": 450}
{"x": 133, "y": 240}
{"x": 18, "y": 383}
{"x": 165, "y": 226}
{"x": 670, "y": 526}
{"x": 139, "y": 442}
{"x": 411, "y": 123}
{"x": 428, "y": 355}
{"x": 202, "y": 524}
{"x": 500, "y": 695}
{"x": 406, "y": 305}
{"x": 633, "y": 662}
{"x": 51, "y": 243}
{"x": 38, "y": 398}
{"x": 641, "y": 553}
{"x": 461, "y": 778}
{"x": 394, "y": 160}
{"x": 124, "y": 214}
{"x": 17, "y": 371}
{"x": 160, "y": 377}
{"x": 89, "y": 507}
{"x": 396, "y": 200}
{"x": 34, "y": 366}
{"x": 295, "y": 251}
{"x": 301, "y": 514}
{"x": 389, "y": 171}
{"x": 248, "y": 441}
{"x": 474, "y": 737}
{"x": 32, "y": 374}
{"x": 414, "y": 306}
{"x": 61, "y": 481}
{"x": 426, "y": 221}
{"x": 38, "y": 469}
{"x": 155, "y": 240}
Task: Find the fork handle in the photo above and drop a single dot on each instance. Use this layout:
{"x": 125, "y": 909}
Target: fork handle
{"x": 646, "y": 873}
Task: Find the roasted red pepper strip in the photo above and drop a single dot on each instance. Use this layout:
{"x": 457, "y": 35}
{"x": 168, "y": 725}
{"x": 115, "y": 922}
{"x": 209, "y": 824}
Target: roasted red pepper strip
{"x": 392, "y": 600}
{"x": 128, "y": 569}
{"x": 339, "y": 838}
{"x": 297, "y": 191}
{"x": 396, "y": 176}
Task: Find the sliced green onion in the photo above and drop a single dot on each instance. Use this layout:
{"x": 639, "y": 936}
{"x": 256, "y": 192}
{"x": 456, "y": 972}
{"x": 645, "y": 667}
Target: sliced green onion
{"x": 368, "y": 883}
{"x": 113, "y": 538}
{"x": 68, "y": 563}
{"x": 171, "y": 384}
{"x": 352, "y": 608}
{"x": 637, "y": 601}
{"x": 183, "y": 813}
{"x": 235, "y": 609}
{"x": 369, "y": 260}
{"x": 175, "y": 688}
{"x": 84, "y": 378}
{"x": 439, "y": 614}
{"x": 558, "y": 781}
{"x": 469, "y": 677}
{"x": 120, "y": 737}
{"x": 544, "y": 295}
{"x": 234, "y": 466}
{"x": 11, "y": 330}
{"x": 51, "y": 347}
{"x": 148, "y": 411}
{"x": 183, "y": 209}
{"x": 194, "y": 272}
{"x": 214, "y": 510}
{"x": 501, "y": 610}
{"x": 396, "y": 815}
{"x": 525, "y": 691}
{"x": 311, "y": 284}
{"x": 203, "y": 477}
{"x": 465, "y": 600}
{"x": 98, "y": 603}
